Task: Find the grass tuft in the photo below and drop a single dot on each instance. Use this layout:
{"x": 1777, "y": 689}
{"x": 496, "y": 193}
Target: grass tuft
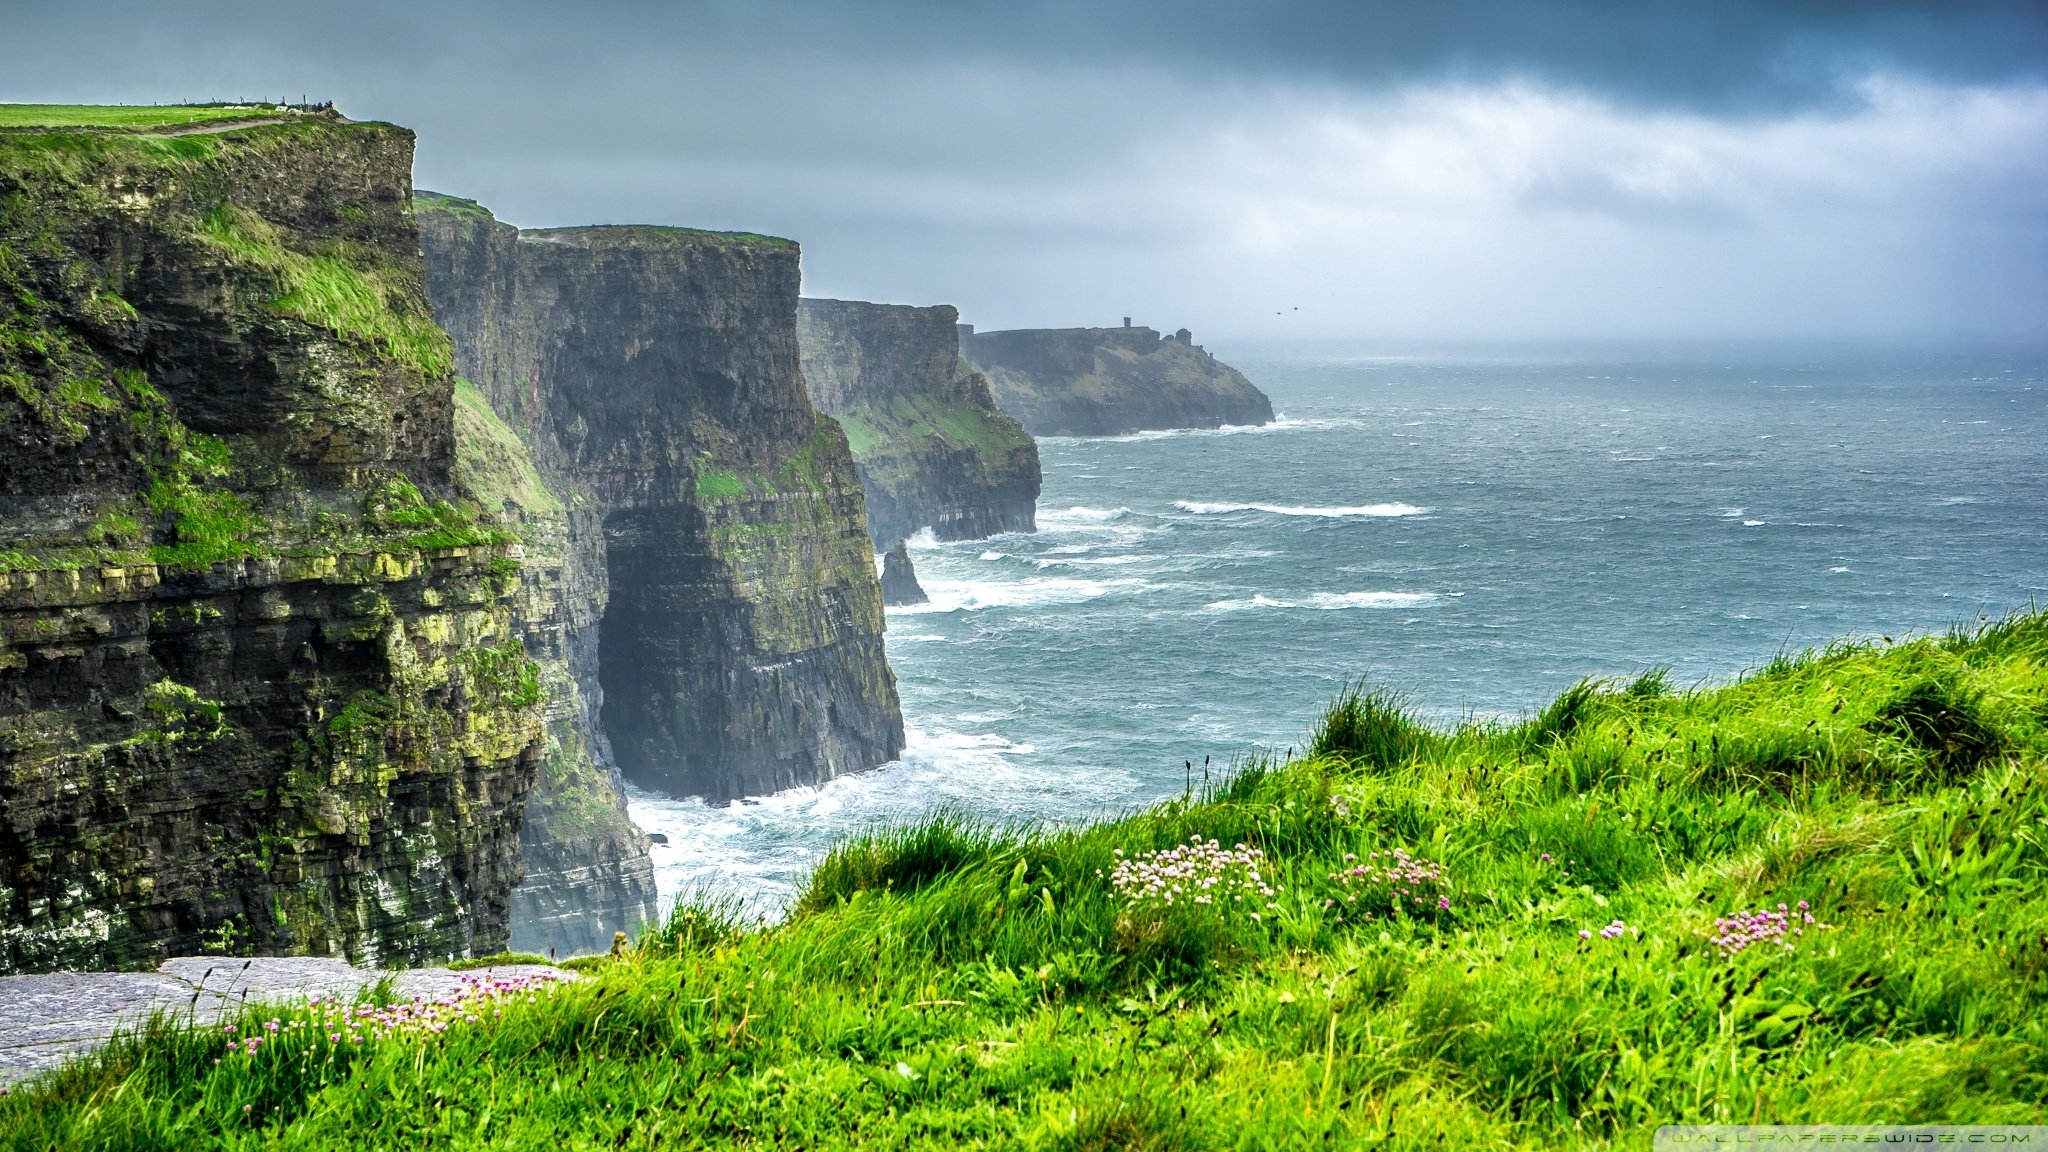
{"x": 1369, "y": 727}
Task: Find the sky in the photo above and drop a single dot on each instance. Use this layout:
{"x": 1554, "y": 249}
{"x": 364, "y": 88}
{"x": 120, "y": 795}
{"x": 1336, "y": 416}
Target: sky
{"x": 1261, "y": 172}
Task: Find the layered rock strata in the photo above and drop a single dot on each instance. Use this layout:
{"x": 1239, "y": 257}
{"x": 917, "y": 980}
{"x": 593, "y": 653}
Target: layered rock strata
{"x": 588, "y": 874}
{"x": 1110, "y": 381}
{"x": 654, "y": 373}
{"x": 259, "y": 691}
{"x": 931, "y": 447}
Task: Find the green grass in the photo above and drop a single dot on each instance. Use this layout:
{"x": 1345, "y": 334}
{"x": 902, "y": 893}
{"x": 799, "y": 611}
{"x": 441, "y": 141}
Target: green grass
{"x": 955, "y": 985}
{"x": 492, "y": 462}
{"x": 872, "y": 430}
{"x": 127, "y": 115}
{"x": 659, "y": 236}
{"x": 457, "y": 206}
{"x": 331, "y": 292}
{"x": 715, "y": 485}
{"x": 498, "y": 960}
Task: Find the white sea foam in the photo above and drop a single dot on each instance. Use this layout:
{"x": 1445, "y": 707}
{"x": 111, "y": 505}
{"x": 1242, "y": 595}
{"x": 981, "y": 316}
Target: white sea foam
{"x": 1753, "y": 523}
{"x": 758, "y": 850}
{"x": 1260, "y": 600}
{"x": 973, "y": 595}
{"x": 1334, "y": 601}
{"x": 925, "y": 538}
{"x": 1093, "y": 561}
{"x": 1079, "y": 518}
{"x": 1205, "y": 508}
{"x": 1085, "y": 515}
{"x": 1279, "y": 423}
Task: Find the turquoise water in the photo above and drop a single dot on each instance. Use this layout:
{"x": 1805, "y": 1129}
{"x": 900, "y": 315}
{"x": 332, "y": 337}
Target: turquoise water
{"x": 1476, "y": 532}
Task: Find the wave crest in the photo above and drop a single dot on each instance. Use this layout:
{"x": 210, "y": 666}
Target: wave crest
{"x": 1206, "y": 508}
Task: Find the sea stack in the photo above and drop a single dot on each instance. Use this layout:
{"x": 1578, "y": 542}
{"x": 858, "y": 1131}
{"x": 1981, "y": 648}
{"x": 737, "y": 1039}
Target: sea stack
{"x": 899, "y": 580}
{"x": 1111, "y": 381}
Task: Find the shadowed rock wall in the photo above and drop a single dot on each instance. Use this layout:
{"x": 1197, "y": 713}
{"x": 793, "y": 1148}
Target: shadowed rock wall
{"x": 1110, "y": 381}
{"x": 258, "y": 688}
{"x": 655, "y": 373}
{"x": 588, "y": 873}
{"x": 931, "y": 447}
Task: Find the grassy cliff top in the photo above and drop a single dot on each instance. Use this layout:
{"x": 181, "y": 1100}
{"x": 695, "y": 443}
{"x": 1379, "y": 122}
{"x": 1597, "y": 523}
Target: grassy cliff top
{"x": 642, "y": 236}
{"x": 651, "y": 236}
{"x": 425, "y": 201}
{"x": 1815, "y": 895}
{"x": 130, "y": 116}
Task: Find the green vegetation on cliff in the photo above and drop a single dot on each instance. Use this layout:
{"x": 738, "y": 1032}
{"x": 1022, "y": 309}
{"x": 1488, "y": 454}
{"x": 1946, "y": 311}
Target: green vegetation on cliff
{"x": 234, "y": 569}
{"x": 282, "y": 283}
{"x": 901, "y": 421}
{"x": 1556, "y": 933}
{"x": 130, "y": 116}
{"x": 932, "y": 449}
{"x": 492, "y": 463}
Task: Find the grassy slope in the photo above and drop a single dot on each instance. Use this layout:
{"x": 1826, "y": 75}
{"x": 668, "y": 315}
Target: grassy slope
{"x": 904, "y": 420}
{"x": 126, "y": 115}
{"x": 947, "y": 987}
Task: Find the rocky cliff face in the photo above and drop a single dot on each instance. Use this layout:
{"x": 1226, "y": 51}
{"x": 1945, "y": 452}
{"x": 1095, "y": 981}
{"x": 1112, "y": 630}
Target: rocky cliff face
{"x": 1110, "y": 381}
{"x": 654, "y": 372}
{"x": 258, "y": 687}
{"x": 588, "y": 873}
{"x": 932, "y": 449}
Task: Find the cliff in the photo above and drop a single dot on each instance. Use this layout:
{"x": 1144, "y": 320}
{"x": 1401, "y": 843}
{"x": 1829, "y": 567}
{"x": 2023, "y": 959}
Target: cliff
{"x": 716, "y": 513}
{"x": 1110, "y": 381}
{"x": 258, "y": 687}
{"x": 588, "y": 873}
{"x": 930, "y": 446}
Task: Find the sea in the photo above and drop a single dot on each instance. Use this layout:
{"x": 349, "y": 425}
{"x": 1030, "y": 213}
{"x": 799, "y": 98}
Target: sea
{"x": 1474, "y": 530}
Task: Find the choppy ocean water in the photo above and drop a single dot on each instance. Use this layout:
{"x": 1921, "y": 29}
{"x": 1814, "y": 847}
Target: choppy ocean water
{"x": 1477, "y": 532}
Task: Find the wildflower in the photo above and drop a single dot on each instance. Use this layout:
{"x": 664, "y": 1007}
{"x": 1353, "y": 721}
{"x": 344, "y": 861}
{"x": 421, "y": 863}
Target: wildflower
{"x": 1397, "y": 877}
{"x": 1733, "y": 934}
{"x": 1585, "y": 934}
{"x": 1200, "y": 873}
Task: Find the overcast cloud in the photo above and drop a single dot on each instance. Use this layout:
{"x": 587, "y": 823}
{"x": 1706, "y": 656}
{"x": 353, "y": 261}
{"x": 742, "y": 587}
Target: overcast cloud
{"x": 1252, "y": 170}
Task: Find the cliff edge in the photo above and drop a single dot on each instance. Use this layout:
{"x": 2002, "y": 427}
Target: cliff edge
{"x": 1110, "y": 381}
{"x": 258, "y": 687}
{"x": 654, "y": 373}
{"x": 929, "y": 443}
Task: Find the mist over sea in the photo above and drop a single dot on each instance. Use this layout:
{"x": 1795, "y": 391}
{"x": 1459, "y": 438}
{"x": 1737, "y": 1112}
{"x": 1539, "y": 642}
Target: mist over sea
{"x": 1477, "y": 532}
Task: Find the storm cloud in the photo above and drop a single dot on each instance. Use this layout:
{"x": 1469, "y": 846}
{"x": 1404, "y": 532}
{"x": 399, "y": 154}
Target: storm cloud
{"x": 1265, "y": 171}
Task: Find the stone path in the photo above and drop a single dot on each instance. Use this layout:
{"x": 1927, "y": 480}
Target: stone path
{"x": 47, "y": 1019}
